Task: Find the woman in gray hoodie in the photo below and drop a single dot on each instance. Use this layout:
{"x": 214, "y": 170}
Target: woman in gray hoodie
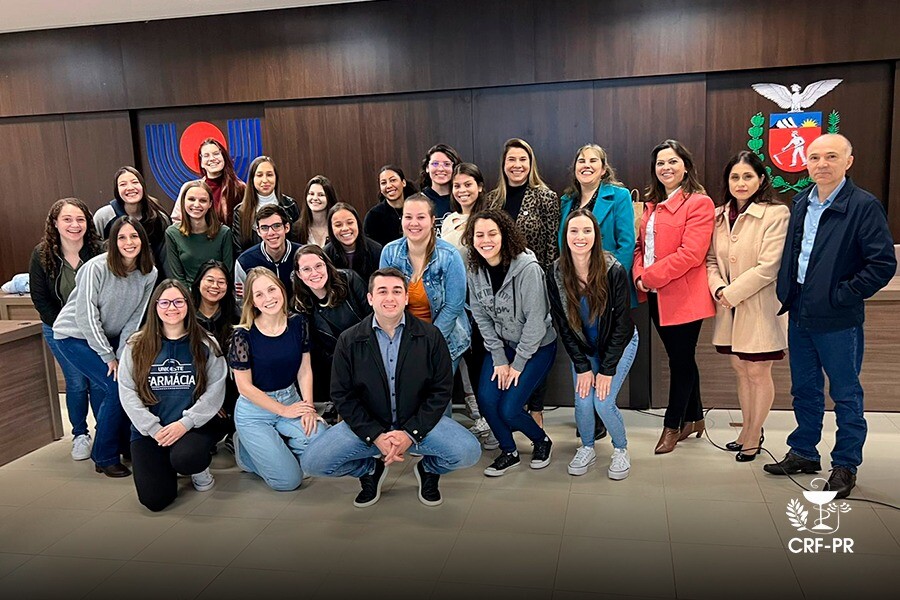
{"x": 508, "y": 296}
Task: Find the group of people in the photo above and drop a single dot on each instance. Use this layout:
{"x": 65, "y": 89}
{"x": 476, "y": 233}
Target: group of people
{"x": 182, "y": 331}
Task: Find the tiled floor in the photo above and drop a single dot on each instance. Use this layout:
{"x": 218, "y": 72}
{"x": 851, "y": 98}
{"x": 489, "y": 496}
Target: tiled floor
{"x": 691, "y": 524}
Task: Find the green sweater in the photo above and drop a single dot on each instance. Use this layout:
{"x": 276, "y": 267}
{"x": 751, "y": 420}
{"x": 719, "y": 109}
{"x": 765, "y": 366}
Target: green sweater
{"x": 185, "y": 254}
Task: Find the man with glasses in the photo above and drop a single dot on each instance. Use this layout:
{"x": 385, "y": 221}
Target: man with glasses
{"x": 275, "y": 252}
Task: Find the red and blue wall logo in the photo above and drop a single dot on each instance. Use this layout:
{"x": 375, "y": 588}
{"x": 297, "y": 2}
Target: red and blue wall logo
{"x": 173, "y": 159}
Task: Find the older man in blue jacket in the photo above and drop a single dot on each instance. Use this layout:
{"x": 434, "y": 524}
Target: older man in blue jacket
{"x": 837, "y": 253}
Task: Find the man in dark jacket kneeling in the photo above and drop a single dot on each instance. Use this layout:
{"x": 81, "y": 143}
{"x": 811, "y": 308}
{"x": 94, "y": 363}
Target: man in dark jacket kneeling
{"x": 391, "y": 381}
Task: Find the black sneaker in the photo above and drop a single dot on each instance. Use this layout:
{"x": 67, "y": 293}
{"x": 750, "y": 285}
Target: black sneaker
{"x": 429, "y": 494}
{"x": 841, "y": 481}
{"x": 330, "y": 414}
{"x": 599, "y": 429}
{"x": 502, "y": 464}
{"x": 540, "y": 457}
{"x": 792, "y": 464}
{"x": 371, "y": 486}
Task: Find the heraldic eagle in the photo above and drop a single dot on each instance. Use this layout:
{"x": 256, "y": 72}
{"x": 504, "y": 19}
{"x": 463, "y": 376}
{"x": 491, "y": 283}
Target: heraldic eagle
{"x": 794, "y": 100}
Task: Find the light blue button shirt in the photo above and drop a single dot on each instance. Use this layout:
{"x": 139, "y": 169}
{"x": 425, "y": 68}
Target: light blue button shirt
{"x": 814, "y": 212}
{"x": 390, "y": 350}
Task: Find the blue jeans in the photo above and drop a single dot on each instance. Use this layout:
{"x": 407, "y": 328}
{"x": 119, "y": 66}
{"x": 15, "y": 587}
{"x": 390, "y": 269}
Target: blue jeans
{"x": 112, "y": 424}
{"x": 607, "y": 409}
{"x": 340, "y": 452}
{"x": 271, "y": 445}
{"x": 504, "y": 410}
{"x": 77, "y": 387}
{"x": 840, "y": 355}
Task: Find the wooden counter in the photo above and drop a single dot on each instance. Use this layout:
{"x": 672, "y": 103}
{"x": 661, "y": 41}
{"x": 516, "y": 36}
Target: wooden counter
{"x": 19, "y": 307}
{"x": 29, "y": 398}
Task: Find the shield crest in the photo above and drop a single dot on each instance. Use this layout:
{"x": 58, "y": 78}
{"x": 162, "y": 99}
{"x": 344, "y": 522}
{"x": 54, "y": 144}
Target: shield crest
{"x": 789, "y": 136}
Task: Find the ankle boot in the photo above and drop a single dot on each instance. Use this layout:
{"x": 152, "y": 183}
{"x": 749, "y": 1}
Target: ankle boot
{"x": 667, "y": 441}
{"x": 691, "y": 428}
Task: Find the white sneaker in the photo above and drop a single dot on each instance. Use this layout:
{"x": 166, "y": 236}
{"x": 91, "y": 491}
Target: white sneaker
{"x": 619, "y": 464}
{"x": 585, "y": 457}
{"x": 480, "y": 428}
{"x": 203, "y": 481}
{"x": 490, "y": 442}
{"x": 81, "y": 447}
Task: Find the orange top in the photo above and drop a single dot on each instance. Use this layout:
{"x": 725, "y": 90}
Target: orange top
{"x": 418, "y": 301}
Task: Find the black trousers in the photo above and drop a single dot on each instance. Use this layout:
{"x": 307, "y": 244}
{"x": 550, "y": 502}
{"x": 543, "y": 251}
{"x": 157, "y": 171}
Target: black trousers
{"x": 156, "y": 468}
{"x": 680, "y": 342}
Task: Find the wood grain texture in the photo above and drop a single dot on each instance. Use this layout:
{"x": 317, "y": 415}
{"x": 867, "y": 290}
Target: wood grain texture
{"x": 98, "y": 144}
{"x": 894, "y": 172}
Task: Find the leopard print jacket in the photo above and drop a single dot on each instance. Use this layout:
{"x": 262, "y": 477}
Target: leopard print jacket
{"x": 538, "y": 220}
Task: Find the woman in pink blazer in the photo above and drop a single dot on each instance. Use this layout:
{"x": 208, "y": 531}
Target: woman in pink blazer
{"x": 670, "y": 273}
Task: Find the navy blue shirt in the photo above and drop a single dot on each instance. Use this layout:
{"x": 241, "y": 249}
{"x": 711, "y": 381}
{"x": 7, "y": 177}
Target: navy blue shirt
{"x": 274, "y": 361}
{"x": 588, "y": 325}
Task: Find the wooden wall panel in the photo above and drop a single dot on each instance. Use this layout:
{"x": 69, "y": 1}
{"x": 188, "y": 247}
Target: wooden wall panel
{"x": 35, "y": 173}
{"x": 863, "y": 100}
{"x": 894, "y": 172}
{"x": 98, "y": 144}
{"x": 348, "y": 141}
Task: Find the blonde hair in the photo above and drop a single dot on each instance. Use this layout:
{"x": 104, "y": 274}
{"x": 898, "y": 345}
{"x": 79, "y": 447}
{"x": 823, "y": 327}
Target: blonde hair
{"x": 249, "y": 312}
{"x": 534, "y": 178}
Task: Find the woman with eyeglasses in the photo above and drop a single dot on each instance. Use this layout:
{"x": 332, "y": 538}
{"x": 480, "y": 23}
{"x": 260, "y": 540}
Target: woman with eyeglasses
{"x": 198, "y": 237}
{"x": 382, "y": 222}
{"x": 263, "y": 191}
{"x": 435, "y": 178}
{"x": 171, "y": 385}
{"x": 348, "y": 247}
{"x": 333, "y": 300}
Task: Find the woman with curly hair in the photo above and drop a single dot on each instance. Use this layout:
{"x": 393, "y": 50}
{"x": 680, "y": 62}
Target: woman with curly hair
{"x": 69, "y": 241}
{"x": 508, "y": 296}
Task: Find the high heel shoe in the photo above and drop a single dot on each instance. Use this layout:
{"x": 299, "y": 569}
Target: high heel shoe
{"x": 667, "y": 441}
{"x": 743, "y": 457}
{"x": 734, "y": 446}
{"x": 692, "y": 427}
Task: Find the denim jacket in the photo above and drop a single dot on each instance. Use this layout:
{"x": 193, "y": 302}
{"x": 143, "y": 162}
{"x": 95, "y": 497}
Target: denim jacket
{"x": 445, "y": 284}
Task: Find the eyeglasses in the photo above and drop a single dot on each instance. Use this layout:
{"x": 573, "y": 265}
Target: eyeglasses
{"x": 177, "y": 303}
{"x": 277, "y": 228}
{"x": 441, "y": 163}
{"x": 320, "y": 267}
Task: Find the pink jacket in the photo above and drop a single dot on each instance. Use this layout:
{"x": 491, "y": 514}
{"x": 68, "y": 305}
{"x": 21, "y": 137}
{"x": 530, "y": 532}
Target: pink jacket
{"x": 683, "y": 230}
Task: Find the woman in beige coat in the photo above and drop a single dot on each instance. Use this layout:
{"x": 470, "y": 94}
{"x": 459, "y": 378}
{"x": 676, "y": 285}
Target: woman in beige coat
{"x": 742, "y": 266}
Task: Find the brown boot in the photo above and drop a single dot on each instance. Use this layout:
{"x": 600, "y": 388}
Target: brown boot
{"x": 691, "y": 428}
{"x": 667, "y": 441}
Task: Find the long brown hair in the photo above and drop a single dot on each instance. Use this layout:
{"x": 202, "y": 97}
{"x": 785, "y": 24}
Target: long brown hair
{"x": 146, "y": 344}
{"x": 609, "y": 174}
{"x": 151, "y": 209}
{"x": 144, "y": 260}
{"x": 249, "y": 312}
{"x": 306, "y": 216}
{"x": 596, "y": 287}
{"x": 764, "y": 195}
{"x": 512, "y": 241}
{"x": 474, "y": 172}
{"x": 213, "y": 225}
{"x": 656, "y": 191}
{"x": 534, "y": 178}
{"x": 432, "y": 241}
{"x": 336, "y": 288}
{"x": 232, "y": 186}
{"x": 51, "y": 246}
{"x": 251, "y": 201}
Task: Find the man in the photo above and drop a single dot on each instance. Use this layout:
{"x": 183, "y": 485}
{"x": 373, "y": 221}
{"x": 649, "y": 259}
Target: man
{"x": 275, "y": 252}
{"x": 837, "y": 253}
{"x": 391, "y": 382}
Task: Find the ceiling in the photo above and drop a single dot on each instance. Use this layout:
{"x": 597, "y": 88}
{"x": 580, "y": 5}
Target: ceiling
{"x": 25, "y": 15}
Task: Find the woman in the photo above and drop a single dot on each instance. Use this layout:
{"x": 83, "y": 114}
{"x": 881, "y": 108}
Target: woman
{"x": 69, "y": 241}
{"x": 171, "y": 385}
{"x": 131, "y": 200}
{"x": 434, "y": 177}
{"x": 670, "y": 273}
{"x": 213, "y": 296}
{"x": 348, "y": 247}
{"x": 526, "y": 198}
{"x": 508, "y": 296}
{"x": 218, "y": 173}
{"x": 436, "y": 274}
{"x": 333, "y": 301}
{"x": 591, "y": 306}
{"x": 742, "y": 266}
{"x": 382, "y": 222}
{"x": 265, "y": 190}
{"x": 198, "y": 237}
{"x": 269, "y": 353}
{"x": 313, "y": 225}
{"x": 105, "y": 308}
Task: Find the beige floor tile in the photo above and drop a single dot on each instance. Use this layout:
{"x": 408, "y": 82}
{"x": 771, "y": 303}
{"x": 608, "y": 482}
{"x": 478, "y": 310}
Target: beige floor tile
{"x": 627, "y": 567}
{"x": 401, "y": 506}
{"x": 552, "y": 478}
{"x": 425, "y": 552}
{"x": 722, "y": 523}
{"x": 57, "y": 577}
{"x": 235, "y": 583}
{"x": 197, "y": 540}
{"x": 10, "y": 562}
{"x": 779, "y": 489}
{"x": 618, "y": 517}
{"x": 733, "y": 572}
{"x": 567, "y": 595}
{"x": 299, "y": 546}
{"x": 327, "y": 499}
{"x": 30, "y": 530}
{"x": 187, "y": 500}
{"x": 230, "y": 498}
{"x": 510, "y": 559}
{"x": 152, "y": 581}
{"x": 512, "y": 511}
{"x": 827, "y": 576}
{"x": 19, "y": 488}
{"x": 891, "y": 520}
{"x": 113, "y": 535}
{"x": 85, "y": 494}
{"x": 644, "y": 479}
{"x": 861, "y": 524}
{"x": 732, "y": 482}
{"x": 353, "y": 586}
{"x": 450, "y": 590}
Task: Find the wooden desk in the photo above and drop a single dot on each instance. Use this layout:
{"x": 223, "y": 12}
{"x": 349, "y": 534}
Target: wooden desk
{"x": 29, "y": 399}
{"x": 15, "y": 307}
